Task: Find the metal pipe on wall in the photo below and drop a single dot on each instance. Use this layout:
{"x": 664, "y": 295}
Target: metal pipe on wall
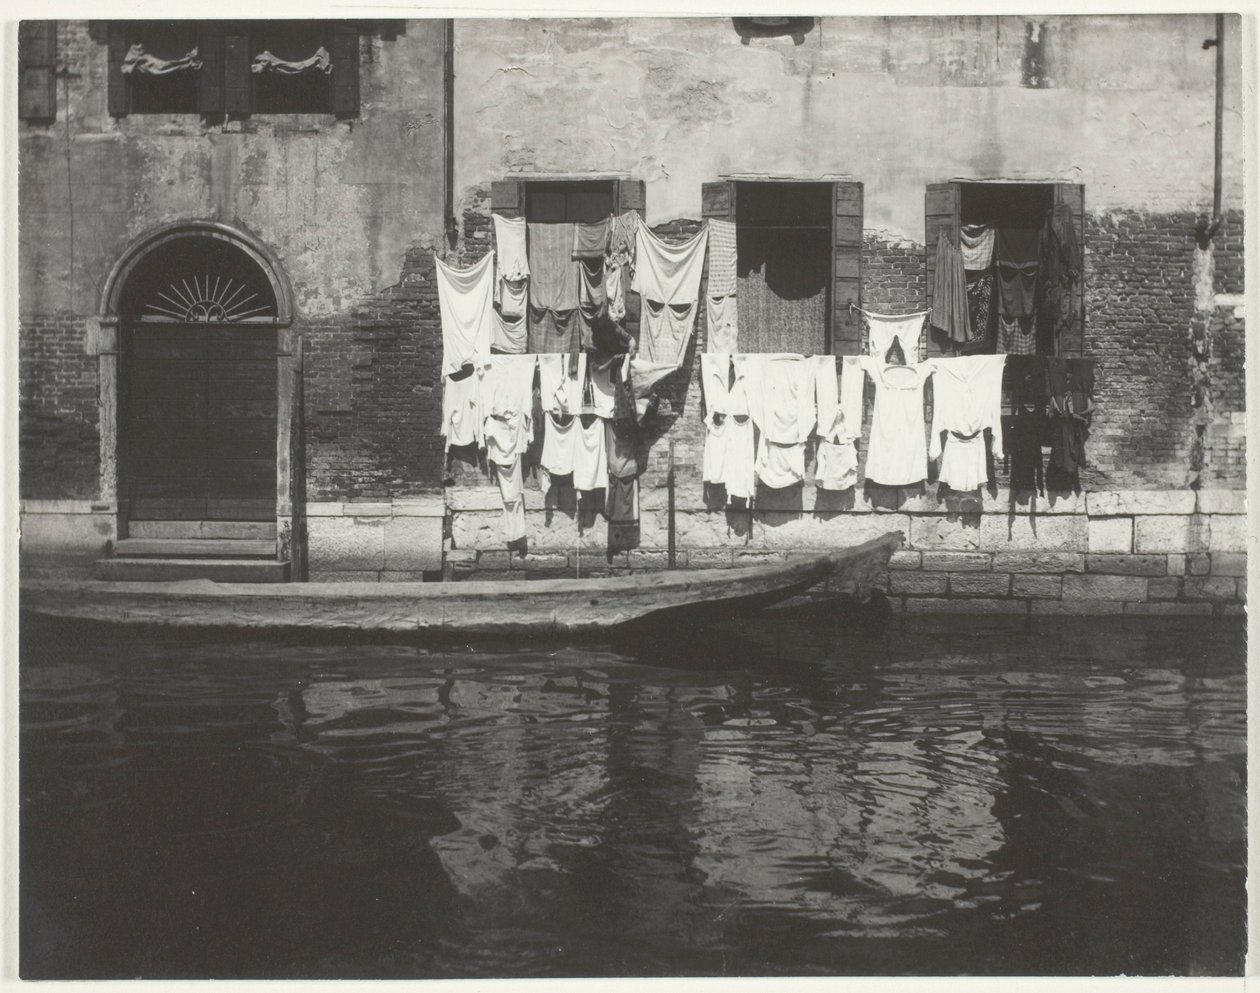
{"x": 1208, "y": 228}
{"x": 448, "y": 131}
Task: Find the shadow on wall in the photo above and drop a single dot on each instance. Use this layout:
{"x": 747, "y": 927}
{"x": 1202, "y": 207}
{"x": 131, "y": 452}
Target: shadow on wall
{"x": 772, "y": 27}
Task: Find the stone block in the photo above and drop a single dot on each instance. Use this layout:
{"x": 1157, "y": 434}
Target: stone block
{"x": 343, "y": 576}
{"x": 323, "y": 510}
{"x": 647, "y": 560}
{"x": 1209, "y": 588}
{"x": 1228, "y": 533}
{"x": 1168, "y": 588}
{"x": 957, "y": 561}
{"x": 1093, "y": 587}
{"x": 1038, "y": 562}
{"x": 413, "y": 544}
{"x": 1127, "y": 565}
{"x": 708, "y": 558}
{"x": 979, "y": 584}
{"x": 1229, "y": 564}
{"x": 404, "y": 576}
{"x": 699, "y": 528}
{"x": 800, "y": 533}
{"x": 917, "y": 583}
{"x": 1068, "y": 533}
{"x": 747, "y": 557}
{"x": 930, "y": 532}
{"x": 905, "y": 560}
{"x": 1036, "y": 586}
{"x": 558, "y": 563}
{"x": 343, "y": 543}
{"x": 1168, "y": 609}
{"x": 1111, "y": 503}
{"x": 1111, "y": 534}
{"x": 65, "y": 535}
{"x": 1035, "y": 503}
{"x": 932, "y": 605}
{"x": 421, "y": 506}
{"x": 470, "y": 498}
{"x": 1176, "y": 564}
{"x": 1233, "y": 609}
{"x": 1170, "y": 534}
{"x": 366, "y": 509}
{"x": 1076, "y": 608}
{"x": 1199, "y": 565}
{"x": 1222, "y": 501}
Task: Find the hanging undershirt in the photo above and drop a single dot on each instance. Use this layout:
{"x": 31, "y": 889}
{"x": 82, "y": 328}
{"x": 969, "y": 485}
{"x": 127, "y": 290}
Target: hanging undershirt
{"x": 904, "y": 330}
{"x": 560, "y": 382}
{"x": 739, "y": 458}
{"x": 560, "y": 435}
{"x": 780, "y": 389}
{"x": 897, "y": 452}
{"x": 966, "y": 400}
{"x": 603, "y": 389}
{"x": 1018, "y": 259}
{"x": 837, "y": 450}
{"x": 590, "y": 454}
{"x": 461, "y": 416}
{"x": 507, "y": 403}
{"x": 667, "y": 277}
{"x": 465, "y": 301}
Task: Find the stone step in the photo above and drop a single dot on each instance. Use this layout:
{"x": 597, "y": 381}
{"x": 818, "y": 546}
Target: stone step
{"x": 169, "y": 570}
{"x": 257, "y": 530}
{"x": 206, "y": 548}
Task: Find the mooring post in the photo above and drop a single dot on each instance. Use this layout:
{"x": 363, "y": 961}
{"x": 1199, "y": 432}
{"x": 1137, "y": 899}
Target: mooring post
{"x": 669, "y": 486}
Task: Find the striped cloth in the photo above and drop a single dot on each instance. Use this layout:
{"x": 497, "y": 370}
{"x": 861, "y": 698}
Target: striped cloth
{"x": 721, "y": 258}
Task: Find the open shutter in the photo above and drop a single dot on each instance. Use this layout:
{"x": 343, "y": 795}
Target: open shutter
{"x": 238, "y": 80}
{"x": 631, "y": 195}
{"x": 507, "y": 197}
{"x": 345, "y": 74}
{"x": 1072, "y": 342}
{"x": 717, "y": 202}
{"x": 941, "y": 215}
{"x": 210, "y": 77}
{"x": 846, "y": 268}
{"x": 118, "y": 100}
{"x": 37, "y": 56}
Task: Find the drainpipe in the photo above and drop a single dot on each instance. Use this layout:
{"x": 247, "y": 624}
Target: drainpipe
{"x": 1208, "y": 228}
{"x": 448, "y": 130}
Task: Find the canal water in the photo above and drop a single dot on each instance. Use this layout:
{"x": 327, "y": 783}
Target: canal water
{"x": 949, "y": 796}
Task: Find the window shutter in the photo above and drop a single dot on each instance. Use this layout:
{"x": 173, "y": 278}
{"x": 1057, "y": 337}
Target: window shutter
{"x": 238, "y": 81}
{"x": 37, "y": 56}
{"x": 631, "y": 195}
{"x": 507, "y": 197}
{"x": 846, "y": 268}
{"x": 941, "y": 216}
{"x": 718, "y": 200}
{"x": 118, "y": 100}
{"x": 210, "y": 77}
{"x": 345, "y": 74}
{"x": 1072, "y": 342}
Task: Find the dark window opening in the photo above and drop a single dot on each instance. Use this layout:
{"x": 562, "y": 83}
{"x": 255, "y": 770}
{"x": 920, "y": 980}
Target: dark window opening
{"x": 194, "y": 280}
{"x": 283, "y": 89}
{"x": 577, "y": 202}
{"x": 166, "y": 90}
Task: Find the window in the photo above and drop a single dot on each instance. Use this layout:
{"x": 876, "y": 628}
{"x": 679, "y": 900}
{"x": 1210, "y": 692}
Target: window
{"x": 798, "y": 257}
{"x": 224, "y": 67}
{"x": 1054, "y": 327}
{"x": 37, "y": 58}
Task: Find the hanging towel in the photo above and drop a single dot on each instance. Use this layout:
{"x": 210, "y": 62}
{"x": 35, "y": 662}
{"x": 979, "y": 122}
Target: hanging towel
{"x": 465, "y": 300}
{"x": 668, "y": 273}
{"x": 722, "y": 324}
{"x": 1018, "y": 255}
{"x": 977, "y": 246}
{"x": 884, "y": 330}
{"x": 721, "y": 258}
{"x": 509, "y": 247}
{"x": 507, "y": 405}
{"x": 592, "y": 295}
{"x": 590, "y": 454}
{"x": 560, "y": 382}
{"x": 780, "y": 390}
{"x": 560, "y": 434}
{"x": 509, "y": 336}
{"x": 897, "y": 454}
{"x": 512, "y": 494}
{"x": 512, "y": 296}
{"x": 615, "y": 291}
{"x": 553, "y": 272}
{"x": 826, "y": 390}
{"x": 461, "y": 407}
{"x": 966, "y": 401}
{"x": 590, "y": 240}
{"x": 715, "y": 375}
{"x": 949, "y": 292}
{"x": 1016, "y": 336}
{"x": 553, "y": 331}
{"x": 665, "y": 331}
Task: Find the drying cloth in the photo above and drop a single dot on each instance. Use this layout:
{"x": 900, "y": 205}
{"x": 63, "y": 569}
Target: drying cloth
{"x": 848, "y": 425}
{"x": 735, "y": 455}
{"x": 645, "y": 374}
{"x": 561, "y": 382}
{"x": 966, "y": 401}
{"x": 715, "y": 435}
{"x": 721, "y": 324}
{"x": 615, "y": 291}
{"x": 512, "y": 296}
{"x": 780, "y": 390}
{"x": 665, "y": 330}
{"x": 1060, "y": 273}
{"x": 592, "y": 296}
{"x": 509, "y": 247}
{"x": 1016, "y": 336}
{"x": 1070, "y": 384}
{"x": 949, "y": 292}
{"x": 668, "y": 273}
{"x": 510, "y": 336}
{"x": 905, "y": 331}
{"x": 461, "y": 405}
{"x": 1018, "y": 255}
{"x": 897, "y": 452}
{"x": 553, "y": 272}
{"x": 780, "y": 465}
{"x": 465, "y": 300}
{"x": 715, "y": 381}
{"x": 837, "y": 465}
{"x": 622, "y": 506}
{"x": 603, "y": 389}
{"x": 721, "y": 259}
{"x": 826, "y": 391}
{"x": 621, "y": 438}
{"x": 560, "y": 435}
{"x": 513, "y": 497}
{"x": 590, "y": 241}
{"x": 1027, "y": 429}
{"x": 590, "y": 454}
{"x": 553, "y": 331}
{"x": 622, "y": 233}
{"x": 507, "y": 404}
{"x": 980, "y": 303}
{"x": 737, "y": 402}
{"x": 977, "y": 246}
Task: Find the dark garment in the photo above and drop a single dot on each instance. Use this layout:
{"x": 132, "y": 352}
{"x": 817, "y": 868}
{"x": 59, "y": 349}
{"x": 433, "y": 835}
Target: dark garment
{"x": 550, "y": 331}
{"x": 623, "y": 519}
{"x": 1070, "y": 383}
{"x": 1026, "y": 427}
{"x": 949, "y": 292}
{"x": 590, "y": 241}
{"x": 1018, "y": 260}
{"x": 1060, "y": 275}
{"x": 622, "y": 443}
{"x": 980, "y": 304}
{"x": 592, "y": 297}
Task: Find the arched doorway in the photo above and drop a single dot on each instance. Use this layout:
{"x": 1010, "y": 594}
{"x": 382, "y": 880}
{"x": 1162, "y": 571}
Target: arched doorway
{"x": 199, "y": 308}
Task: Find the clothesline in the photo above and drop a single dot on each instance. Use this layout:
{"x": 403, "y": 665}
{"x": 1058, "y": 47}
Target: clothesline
{"x": 853, "y": 307}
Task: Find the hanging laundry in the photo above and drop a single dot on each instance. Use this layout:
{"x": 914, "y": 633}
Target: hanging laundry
{"x": 461, "y": 408}
{"x": 1016, "y": 336}
{"x": 561, "y": 379}
{"x": 826, "y": 389}
{"x": 621, "y": 507}
{"x": 1060, "y": 273}
{"x": 465, "y": 301}
{"x": 553, "y": 283}
{"x": 507, "y": 405}
{"x": 592, "y": 294}
{"x": 509, "y": 247}
{"x": 883, "y": 331}
{"x": 1018, "y": 259}
{"x": 976, "y": 245}
{"x": 560, "y": 438}
{"x": 621, "y": 439}
{"x": 550, "y": 331}
{"x": 839, "y": 428}
{"x": 615, "y": 291}
{"x": 665, "y": 330}
{"x": 949, "y": 292}
{"x": 590, "y": 454}
{"x": 509, "y": 337}
{"x": 603, "y": 387}
{"x": 511, "y": 296}
{"x": 667, "y": 277}
{"x": 980, "y": 304}
{"x": 715, "y": 377}
{"x": 1070, "y": 384}
{"x": 897, "y": 452}
{"x": 966, "y": 400}
{"x": 622, "y": 234}
{"x": 512, "y": 494}
{"x": 590, "y": 240}
{"x": 645, "y": 374}
{"x": 1027, "y": 426}
{"x": 721, "y": 319}
{"x": 722, "y": 258}
{"x": 780, "y": 389}
{"x": 739, "y": 453}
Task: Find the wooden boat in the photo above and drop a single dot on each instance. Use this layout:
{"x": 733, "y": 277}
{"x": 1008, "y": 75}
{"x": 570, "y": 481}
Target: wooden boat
{"x": 572, "y": 607}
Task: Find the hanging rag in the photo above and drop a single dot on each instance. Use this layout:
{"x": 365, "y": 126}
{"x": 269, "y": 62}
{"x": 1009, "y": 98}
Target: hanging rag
{"x": 511, "y": 296}
{"x": 949, "y": 292}
{"x": 590, "y": 454}
{"x": 461, "y": 409}
{"x": 553, "y": 331}
{"x": 1060, "y": 273}
{"x": 509, "y": 247}
{"x": 590, "y": 240}
{"x": 1027, "y": 426}
{"x": 722, "y": 258}
{"x": 592, "y": 294}
{"x": 667, "y": 277}
{"x": 897, "y": 450}
{"x": 467, "y": 311}
{"x": 780, "y": 390}
{"x": 507, "y": 405}
{"x": 622, "y": 233}
{"x": 966, "y": 401}
{"x": 839, "y": 425}
{"x": 980, "y": 304}
{"x": 721, "y": 323}
{"x": 137, "y": 60}
{"x": 883, "y": 331}
{"x": 1016, "y": 336}
{"x": 561, "y": 381}
{"x": 1070, "y": 385}
{"x": 320, "y": 62}
{"x": 976, "y": 245}
{"x": 512, "y": 494}
{"x": 1018, "y": 259}
{"x": 665, "y": 330}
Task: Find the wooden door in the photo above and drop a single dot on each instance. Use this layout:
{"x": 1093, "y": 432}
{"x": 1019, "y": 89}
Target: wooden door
{"x": 198, "y": 422}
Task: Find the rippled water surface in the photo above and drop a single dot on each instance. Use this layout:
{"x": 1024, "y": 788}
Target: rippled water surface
{"x": 961, "y": 797}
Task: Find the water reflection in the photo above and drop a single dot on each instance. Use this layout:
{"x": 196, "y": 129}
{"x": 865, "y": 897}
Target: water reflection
{"x": 785, "y": 799}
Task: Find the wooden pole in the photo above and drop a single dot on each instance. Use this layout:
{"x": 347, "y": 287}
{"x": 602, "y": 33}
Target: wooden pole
{"x": 669, "y": 486}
